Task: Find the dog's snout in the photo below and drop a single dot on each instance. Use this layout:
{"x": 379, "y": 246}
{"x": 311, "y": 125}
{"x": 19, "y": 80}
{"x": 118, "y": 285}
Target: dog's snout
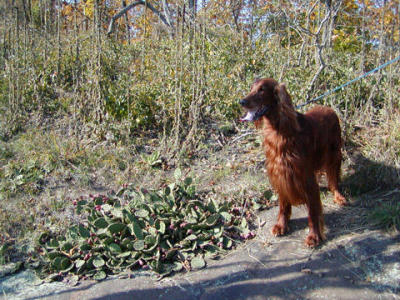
{"x": 243, "y": 102}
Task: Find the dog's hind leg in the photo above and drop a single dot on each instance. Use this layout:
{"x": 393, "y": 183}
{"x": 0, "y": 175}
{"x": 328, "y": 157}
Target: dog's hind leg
{"x": 333, "y": 176}
{"x": 315, "y": 217}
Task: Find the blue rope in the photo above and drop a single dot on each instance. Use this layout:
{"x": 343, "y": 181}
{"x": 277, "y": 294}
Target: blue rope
{"x": 350, "y": 82}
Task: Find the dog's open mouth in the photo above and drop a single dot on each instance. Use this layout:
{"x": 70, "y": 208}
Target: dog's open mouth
{"x": 254, "y": 114}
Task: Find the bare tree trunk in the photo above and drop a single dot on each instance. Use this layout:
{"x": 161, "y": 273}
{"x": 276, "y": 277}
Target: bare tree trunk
{"x": 128, "y": 37}
{"x": 26, "y": 14}
{"x": 362, "y": 59}
{"x": 192, "y": 8}
{"x": 381, "y": 56}
{"x": 167, "y": 14}
{"x": 78, "y": 101}
{"x": 330, "y": 12}
{"x": 178, "y": 79}
{"x": 6, "y": 44}
{"x": 98, "y": 89}
{"x": 45, "y": 50}
{"x": 58, "y": 37}
{"x": 76, "y": 31}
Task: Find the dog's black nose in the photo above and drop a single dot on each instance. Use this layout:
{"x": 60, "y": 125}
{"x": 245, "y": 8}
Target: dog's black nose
{"x": 243, "y": 102}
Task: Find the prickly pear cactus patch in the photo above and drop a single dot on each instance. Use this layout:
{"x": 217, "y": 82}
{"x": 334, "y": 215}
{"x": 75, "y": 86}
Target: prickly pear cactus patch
{"x": 166, "y": 231}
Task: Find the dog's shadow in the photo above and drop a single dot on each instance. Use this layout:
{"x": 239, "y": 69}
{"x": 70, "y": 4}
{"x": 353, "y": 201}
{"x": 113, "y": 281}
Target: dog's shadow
{"x": 367, "y": 185}
{"x": 364, "y": 175}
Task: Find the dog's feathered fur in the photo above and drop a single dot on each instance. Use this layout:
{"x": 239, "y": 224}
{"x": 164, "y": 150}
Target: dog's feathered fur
{"x": 297, "y": 147}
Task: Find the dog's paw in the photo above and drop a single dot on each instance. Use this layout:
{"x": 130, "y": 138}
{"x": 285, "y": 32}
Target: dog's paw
{"x": 312, "y": 240}
{"x": 278, "y": 230}
{"x": 339, "y": 199}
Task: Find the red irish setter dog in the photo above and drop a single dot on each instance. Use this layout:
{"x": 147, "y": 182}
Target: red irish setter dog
{"x": 297, "y": 147}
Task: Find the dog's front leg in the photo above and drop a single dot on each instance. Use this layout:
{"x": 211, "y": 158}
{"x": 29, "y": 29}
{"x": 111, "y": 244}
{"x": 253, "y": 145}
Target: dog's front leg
{"x": 285, "y": 210}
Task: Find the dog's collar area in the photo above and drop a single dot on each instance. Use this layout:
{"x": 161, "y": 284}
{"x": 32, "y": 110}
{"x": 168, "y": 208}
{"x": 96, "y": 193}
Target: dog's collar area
{"x": 261, "y": 112}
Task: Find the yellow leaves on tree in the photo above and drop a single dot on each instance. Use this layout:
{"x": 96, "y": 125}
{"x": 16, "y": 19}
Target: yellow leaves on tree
{"x": 88, "y": 8}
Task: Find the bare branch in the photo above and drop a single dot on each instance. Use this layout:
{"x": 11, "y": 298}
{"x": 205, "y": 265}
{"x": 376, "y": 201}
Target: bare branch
{"x": 132, "y": 5}
{"x": 331, "y": 13}
{"x": 167, "y": 13}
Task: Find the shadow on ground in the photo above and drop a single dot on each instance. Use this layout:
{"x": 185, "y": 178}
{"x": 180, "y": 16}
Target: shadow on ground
{"x": 363, "y": 175}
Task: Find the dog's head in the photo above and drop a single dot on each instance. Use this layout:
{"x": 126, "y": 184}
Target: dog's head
{"x": 266, "y": 97}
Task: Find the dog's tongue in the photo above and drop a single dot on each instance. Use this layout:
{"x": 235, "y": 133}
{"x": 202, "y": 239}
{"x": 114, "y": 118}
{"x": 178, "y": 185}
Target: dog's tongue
{"x": 248, "y": 117}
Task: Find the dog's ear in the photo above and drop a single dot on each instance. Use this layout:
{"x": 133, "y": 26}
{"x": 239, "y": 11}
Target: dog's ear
{"x": 282, "y": 95}
{"x": 288, "y": 115}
